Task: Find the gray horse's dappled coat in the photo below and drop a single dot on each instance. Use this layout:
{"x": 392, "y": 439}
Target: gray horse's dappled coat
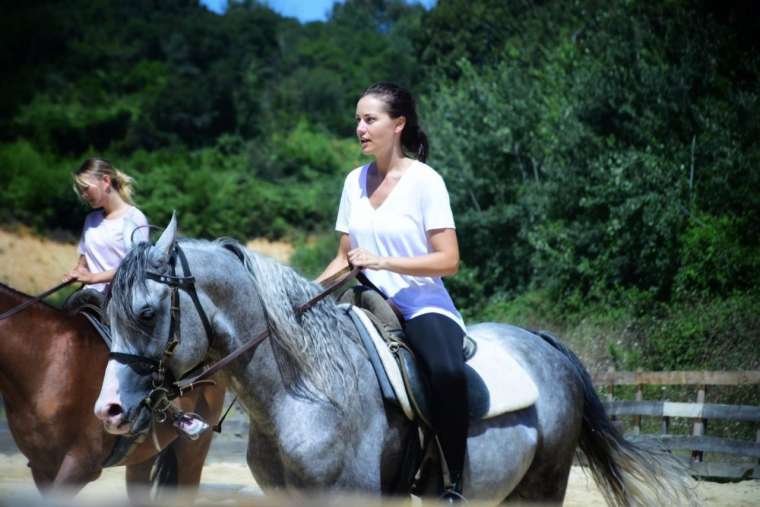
{"x": 317, "y": 418}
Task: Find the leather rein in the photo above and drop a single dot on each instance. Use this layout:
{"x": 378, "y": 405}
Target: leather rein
{"x": 159, "y": 398}
{"x": 26, "y": 304}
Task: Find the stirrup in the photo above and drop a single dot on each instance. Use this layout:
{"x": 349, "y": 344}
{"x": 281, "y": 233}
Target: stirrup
{"x": 452, "y": 495}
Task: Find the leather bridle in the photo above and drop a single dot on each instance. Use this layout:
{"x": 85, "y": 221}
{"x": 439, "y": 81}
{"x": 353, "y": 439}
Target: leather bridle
{"x": 164, "y": 387}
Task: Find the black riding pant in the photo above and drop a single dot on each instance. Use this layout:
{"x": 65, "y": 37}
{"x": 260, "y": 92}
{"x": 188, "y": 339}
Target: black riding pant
{"x": 437, "y": 341}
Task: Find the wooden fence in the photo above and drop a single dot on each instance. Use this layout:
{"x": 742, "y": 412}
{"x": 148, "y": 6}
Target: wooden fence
{"x": 746, "y": 461}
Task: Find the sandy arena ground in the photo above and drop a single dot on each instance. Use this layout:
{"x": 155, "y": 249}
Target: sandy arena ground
{"x": 227, "y": 481}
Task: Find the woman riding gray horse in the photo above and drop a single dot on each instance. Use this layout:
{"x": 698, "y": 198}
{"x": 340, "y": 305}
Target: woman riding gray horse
{"x": 317, "y": 418}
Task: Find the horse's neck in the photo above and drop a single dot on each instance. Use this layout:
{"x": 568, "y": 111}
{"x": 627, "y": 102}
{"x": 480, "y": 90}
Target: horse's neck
{"x": 293, "y": 434}
{"x": 30, "y": 339}
{"x": 241, "y": 313}
{"x": 298, "y": 427}
{"x": 262, "y": 380}
{"x": 34, "y": 314}
{"x": 15, "y": 345}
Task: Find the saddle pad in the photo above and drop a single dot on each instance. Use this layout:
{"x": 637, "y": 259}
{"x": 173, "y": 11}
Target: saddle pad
{"x": 389, "y": 363}
{"x": 509, "y": 387}
{"x": 507, "y": 384}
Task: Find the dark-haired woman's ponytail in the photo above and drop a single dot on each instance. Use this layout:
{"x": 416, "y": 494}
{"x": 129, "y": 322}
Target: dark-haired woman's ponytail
{"x": 415, "y": 142}
{"x": 422, "y": 148}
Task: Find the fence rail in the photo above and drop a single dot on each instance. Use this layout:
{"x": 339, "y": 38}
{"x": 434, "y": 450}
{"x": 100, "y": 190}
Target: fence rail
{"x": 699, "y": 412}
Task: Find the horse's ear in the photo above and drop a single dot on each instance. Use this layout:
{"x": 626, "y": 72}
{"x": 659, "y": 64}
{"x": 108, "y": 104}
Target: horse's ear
{"x": 166, "y": 241}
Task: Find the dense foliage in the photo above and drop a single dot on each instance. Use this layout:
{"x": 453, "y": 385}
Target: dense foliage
{"x": 601, "y": 157}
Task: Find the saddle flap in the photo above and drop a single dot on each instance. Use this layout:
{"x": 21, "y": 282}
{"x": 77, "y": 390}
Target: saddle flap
{"x": 389, "y": 367}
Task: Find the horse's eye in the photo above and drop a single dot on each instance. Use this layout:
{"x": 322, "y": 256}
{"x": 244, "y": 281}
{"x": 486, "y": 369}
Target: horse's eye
{"x": 147, "y": 313}
{"x": 159, "y": 260}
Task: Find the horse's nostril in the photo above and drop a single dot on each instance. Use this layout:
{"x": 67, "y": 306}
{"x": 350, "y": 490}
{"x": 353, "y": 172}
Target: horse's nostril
{"x": 114, "y": 410}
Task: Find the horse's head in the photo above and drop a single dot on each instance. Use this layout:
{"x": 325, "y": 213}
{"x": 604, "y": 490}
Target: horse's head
{"x": 159, "y": 332}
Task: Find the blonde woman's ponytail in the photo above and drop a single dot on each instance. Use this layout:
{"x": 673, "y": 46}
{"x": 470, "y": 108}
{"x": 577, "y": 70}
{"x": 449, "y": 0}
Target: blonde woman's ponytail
{"x": 121, "y": 182}
{"x": 124, "y": 185}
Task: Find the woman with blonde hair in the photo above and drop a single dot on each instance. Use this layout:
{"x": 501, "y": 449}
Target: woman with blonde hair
{"x": 107, "y": 234}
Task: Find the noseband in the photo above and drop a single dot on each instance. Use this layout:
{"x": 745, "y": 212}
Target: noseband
{"x": 165, "y": 389}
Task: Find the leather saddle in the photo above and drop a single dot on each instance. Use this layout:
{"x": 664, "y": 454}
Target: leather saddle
{"x": 90, "y": 303}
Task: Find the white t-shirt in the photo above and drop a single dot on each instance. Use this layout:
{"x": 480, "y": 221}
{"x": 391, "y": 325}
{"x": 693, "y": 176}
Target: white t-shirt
{"x": 397, "y": 228}
{"x": 105, "y": 242}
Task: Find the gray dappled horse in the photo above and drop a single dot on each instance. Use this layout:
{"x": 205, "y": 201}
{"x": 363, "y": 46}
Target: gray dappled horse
{"x": 317, "y": 419}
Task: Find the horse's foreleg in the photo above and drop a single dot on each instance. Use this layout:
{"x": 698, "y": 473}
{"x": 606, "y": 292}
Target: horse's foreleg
{"x": 191, "y": 454}
{"x": 138, "y": 480}
{"x": 75, "y": 472}
{"x": 42, "y": 478}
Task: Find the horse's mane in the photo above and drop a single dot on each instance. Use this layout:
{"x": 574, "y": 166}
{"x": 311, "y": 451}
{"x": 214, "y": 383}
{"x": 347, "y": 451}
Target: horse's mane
{"x": 129, "y": 275}
{"x": 311, "y": 350}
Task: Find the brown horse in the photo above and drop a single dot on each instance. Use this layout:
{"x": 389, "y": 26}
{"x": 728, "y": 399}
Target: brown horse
{"x": 51, "y": 368}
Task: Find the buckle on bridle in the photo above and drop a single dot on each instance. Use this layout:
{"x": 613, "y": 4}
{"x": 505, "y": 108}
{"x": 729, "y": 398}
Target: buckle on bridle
{"x": 158, "y": 402}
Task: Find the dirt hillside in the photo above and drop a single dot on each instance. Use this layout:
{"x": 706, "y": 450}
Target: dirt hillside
{"x": 31, "y": 263}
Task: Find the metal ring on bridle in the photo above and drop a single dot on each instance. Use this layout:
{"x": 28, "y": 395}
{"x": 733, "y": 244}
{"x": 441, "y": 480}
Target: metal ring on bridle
{"x": 148, "y": 226}
{"x": 158, "y": 402}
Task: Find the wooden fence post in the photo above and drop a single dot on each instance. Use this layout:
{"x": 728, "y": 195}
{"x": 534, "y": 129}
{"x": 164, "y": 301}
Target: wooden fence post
{"x": 699, "y": 425}
{"x": 611, "y": 389}
{"x": 637, "y": 418}
{"x": 665, "y": 425}
{"x": 618, "y": 424}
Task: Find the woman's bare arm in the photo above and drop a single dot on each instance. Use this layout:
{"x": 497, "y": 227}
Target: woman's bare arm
{"x": 339, "y": 262}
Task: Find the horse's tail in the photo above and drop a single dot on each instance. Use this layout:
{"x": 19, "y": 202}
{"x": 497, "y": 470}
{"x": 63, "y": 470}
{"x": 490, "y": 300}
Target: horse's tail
{"x": 163, "y": 475}
{"x": 626, "y": 473}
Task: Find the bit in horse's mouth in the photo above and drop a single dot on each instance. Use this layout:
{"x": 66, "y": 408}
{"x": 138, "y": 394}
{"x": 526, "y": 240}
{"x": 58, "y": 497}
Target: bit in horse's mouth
{"x": 141, "y": 421}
